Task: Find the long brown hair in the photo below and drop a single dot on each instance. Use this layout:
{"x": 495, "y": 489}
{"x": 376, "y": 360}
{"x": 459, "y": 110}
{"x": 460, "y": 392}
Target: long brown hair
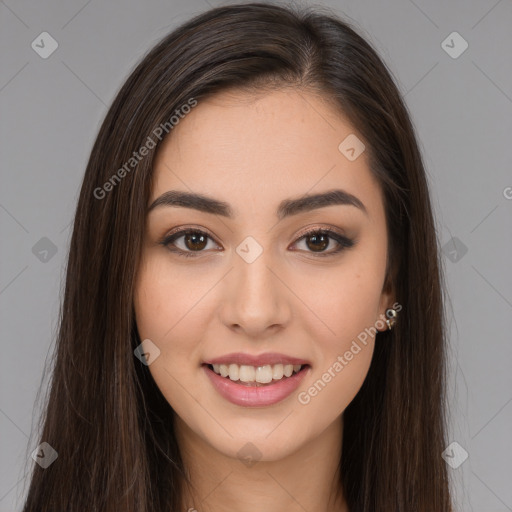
{"x": 104, "y": 415}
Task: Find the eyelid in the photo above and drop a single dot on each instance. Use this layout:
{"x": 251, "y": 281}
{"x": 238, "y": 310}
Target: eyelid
{"x": 179, "y": 229}
{"x": 314, "y": 228}
{"x": 301, "y": 233}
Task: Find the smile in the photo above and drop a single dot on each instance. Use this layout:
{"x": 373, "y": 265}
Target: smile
{"x": 256, "y": 375}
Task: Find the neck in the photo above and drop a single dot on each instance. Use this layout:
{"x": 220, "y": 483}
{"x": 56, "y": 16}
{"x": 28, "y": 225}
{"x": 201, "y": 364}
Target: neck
{"x": 307, "y": 479}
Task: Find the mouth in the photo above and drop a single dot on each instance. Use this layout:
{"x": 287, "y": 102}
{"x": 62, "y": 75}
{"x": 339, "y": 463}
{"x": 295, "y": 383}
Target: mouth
{"x": 256, "y": 376}
{"x": 255, "y": 386}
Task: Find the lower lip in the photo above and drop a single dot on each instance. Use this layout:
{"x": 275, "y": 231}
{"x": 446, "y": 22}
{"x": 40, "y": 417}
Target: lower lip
{"x": 255, "y": 396}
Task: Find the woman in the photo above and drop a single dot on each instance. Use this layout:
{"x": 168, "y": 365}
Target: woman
{"x": 253, "y": 311}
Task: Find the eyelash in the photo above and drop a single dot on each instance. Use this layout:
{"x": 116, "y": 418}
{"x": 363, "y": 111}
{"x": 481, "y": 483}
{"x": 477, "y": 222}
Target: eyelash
{"x": 343, "y": 242}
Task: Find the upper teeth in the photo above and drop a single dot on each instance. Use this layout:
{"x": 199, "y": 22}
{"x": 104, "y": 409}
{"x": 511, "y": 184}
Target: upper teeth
{"x": 261, "y": 374}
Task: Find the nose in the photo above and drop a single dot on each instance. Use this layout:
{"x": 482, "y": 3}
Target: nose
{"x": 256, "y": 299}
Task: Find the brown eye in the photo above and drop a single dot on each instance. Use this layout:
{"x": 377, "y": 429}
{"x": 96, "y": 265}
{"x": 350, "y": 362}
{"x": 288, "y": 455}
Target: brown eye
{"x": 194, "y": 241}
{"x": 318, "y": 240}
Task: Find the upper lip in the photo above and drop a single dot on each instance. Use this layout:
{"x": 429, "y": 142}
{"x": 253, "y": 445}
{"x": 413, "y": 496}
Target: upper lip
{"x": 269, "y": 358}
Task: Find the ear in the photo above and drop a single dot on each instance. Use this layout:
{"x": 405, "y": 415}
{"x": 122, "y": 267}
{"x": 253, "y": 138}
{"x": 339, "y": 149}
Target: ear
{"x": 387, "y": 299}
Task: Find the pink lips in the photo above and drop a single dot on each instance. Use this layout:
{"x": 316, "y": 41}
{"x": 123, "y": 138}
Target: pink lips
{"x": 256, "y": 396}
{"x": 270, "y": 358}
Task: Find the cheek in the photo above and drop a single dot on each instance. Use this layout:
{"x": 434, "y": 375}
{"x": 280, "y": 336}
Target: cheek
{"x": 344, "y": 350}
{"x": 345, "y": 303}
{"x": 150, "y": 303}
{"x": 163, "y": 300}
{"x": 158, "y": 309}
{"x": 346, "y": 300}
{"x": 170, "y": 310}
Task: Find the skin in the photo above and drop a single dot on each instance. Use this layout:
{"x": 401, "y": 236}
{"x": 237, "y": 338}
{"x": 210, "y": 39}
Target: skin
{"x": 253, "y": 151}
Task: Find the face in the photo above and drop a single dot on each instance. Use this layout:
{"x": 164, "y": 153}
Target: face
{"x": 266, "y": 275}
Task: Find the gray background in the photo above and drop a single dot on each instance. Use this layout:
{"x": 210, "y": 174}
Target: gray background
{"x": 51, "y": 110}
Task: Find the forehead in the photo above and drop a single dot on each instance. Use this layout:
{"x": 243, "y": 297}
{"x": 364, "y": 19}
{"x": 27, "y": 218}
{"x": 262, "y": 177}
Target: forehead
{"x": 253, "y": 150}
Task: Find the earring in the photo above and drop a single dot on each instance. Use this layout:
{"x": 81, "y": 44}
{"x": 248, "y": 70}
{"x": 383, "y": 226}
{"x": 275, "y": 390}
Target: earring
{"x": 391, "y": 315}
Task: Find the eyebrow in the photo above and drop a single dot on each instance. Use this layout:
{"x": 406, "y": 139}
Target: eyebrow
{"x": 286, "y": 208}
